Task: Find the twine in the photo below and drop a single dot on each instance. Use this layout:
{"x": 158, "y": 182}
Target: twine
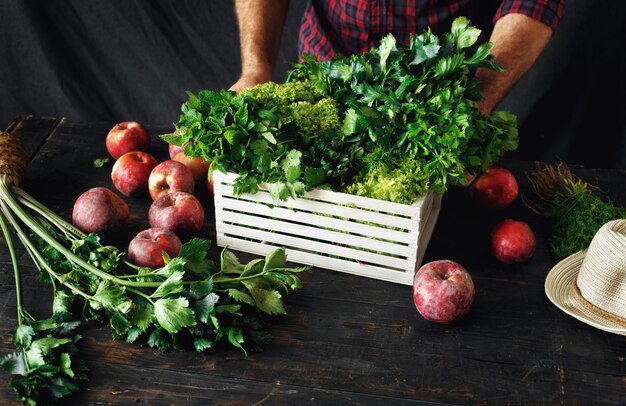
{"x": 13, "y": 158}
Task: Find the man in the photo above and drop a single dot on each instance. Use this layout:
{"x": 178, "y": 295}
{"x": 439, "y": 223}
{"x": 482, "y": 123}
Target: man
{"x": 521, "y": 31}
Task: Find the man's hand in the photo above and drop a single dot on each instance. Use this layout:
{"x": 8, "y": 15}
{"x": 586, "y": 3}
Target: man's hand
{"x": 249, "y": 81}
{"x": 518, "y": 40}
{"x": 260, "y": 28}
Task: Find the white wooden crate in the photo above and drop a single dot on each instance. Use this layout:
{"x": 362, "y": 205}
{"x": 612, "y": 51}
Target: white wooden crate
{"x": 330, "y": 230}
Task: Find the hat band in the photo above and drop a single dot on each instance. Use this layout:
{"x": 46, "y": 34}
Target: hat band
{"x": 595, "y": 309}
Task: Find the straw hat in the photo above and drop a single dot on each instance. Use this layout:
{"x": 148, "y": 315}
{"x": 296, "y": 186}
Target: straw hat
{"x": 591, "y": 284}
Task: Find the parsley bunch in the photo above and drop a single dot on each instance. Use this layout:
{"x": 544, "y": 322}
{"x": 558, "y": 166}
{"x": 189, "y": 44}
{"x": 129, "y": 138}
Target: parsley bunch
{"x": 412, "y": 109}
{"x": 287, "y": 135}
{"x": 391, "y": 123}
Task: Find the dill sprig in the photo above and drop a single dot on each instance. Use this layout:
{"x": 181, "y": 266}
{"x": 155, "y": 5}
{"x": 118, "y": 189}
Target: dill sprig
{"x": 576, "y": 206}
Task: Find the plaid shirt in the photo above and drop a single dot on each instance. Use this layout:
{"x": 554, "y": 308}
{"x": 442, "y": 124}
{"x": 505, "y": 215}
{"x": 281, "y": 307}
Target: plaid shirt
{"x": 347, "y": 27}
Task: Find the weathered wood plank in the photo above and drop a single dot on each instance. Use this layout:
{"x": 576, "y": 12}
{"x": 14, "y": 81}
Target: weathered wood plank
{"x": 33, "y": 131}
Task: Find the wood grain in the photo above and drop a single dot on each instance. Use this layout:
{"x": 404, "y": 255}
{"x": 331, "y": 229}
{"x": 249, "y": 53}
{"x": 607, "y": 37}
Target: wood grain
{"x": 346, "y": 339}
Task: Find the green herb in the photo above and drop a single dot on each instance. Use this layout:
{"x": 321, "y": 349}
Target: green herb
{"x": 401, "y": 115}
{"x": 189, "y": 302}
{"x": 577, "y": 209}
{"x": 100, "y": 162}
{"x": 45, "y": 366}
{"x": 271, "y": 133}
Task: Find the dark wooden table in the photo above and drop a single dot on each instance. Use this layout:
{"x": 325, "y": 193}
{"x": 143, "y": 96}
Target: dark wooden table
{"x": 346, "y": 339}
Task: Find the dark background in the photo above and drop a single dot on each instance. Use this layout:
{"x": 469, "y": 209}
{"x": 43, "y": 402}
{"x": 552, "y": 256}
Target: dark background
{"x": 134, "y": 60}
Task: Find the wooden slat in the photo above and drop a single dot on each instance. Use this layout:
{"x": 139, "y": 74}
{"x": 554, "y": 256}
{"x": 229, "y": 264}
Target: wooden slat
{"x": 32, "y": 131}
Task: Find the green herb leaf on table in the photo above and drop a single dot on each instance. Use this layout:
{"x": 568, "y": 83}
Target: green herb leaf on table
{"x": 100, "y": 162}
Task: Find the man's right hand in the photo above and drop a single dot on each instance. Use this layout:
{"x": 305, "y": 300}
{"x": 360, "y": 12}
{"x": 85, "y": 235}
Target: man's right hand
{"x": 249, "y": 81}
{"x": 260, "y": 25}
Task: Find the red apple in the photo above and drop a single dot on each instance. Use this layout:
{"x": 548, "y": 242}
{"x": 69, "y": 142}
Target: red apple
{"x": 443, "y": 291}
{"x": 198, "y": 166}
{"x": 512, "y": 241}
{"x": 170, "y": 176}
{"x": 147, "y": 248}
{"x": 125, "y": 137}
{"x": 209, "y": 184}
{"x": 98, "y": 210}
{"x": 174, "y": 149}
{"x": 179, "y": 212}
{"x": 496, "y": 188}
{"x": 131, "y": 171}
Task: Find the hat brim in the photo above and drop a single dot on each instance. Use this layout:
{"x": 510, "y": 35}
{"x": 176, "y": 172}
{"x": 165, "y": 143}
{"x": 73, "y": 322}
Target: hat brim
{"x": 561, "y": 289}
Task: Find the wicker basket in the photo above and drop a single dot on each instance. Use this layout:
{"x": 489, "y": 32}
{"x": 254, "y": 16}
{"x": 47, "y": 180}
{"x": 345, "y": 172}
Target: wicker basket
{"x": 330, "y": 230}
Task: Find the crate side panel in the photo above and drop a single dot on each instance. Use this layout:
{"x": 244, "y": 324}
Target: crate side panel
{"x": 334, "y": 223}
{"x": 312, "y": 206}
{"x": 315, "y": 246}
{"x": 318, "y": 232}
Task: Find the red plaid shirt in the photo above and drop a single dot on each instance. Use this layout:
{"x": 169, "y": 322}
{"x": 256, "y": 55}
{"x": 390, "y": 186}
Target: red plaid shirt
{"x": 347, "y": 27}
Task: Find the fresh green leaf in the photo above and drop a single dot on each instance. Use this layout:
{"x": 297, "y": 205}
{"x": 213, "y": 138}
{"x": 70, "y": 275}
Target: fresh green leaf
{"x": 13, "y": 363}
{"x": 112, "y": 297}
{"x": 202, "y": 344}
{"x": 204, "y": 307}
{"x": 133, "y": 334}
{"x": 275, "y": 259}
{"x": 292, "y": 159}
{"x": 174, "y": 314}
{"x": 387, "y": 45}
{"x": 65, "y": 363}
{"x": 253, "y": 267}
{"x": 269, "y": 137}
{"x": 23, "y": 336}
{"x": 160, "y": 339}
{"x": 230, "y": 263}
{"x": 241, "y": 296}
{"x": 267, "y": 301}
{"x": 62, "y": 302}
{"x": 170, "y": 286}
{"x": 100, "y": 162}
{"x": 142, "y": 314}
{"x": 119, "y": 323}
{"x": 200, "y": 289}
{"x": 235, "y": 337}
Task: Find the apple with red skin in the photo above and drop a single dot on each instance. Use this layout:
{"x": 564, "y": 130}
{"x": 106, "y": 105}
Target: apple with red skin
{"x": 209, "y": 184}
{"x": 174, "y": 149}
{"x": 125, "y": 137}
{"x": 198, "y": 166}
{"x": 147, "y": 248}
{"x": 131, "y": 171}
{"x": 495, "y": 188}
{"x": 513, "y": 241}
{"x": 179, "y": 212}
{"x": 98, "y": 210}
{"x": 170, "y": 176}
{"x": 443, "y": 291}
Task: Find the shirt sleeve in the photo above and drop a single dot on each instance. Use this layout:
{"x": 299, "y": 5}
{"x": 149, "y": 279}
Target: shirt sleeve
{"x": 547, "y": 11}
